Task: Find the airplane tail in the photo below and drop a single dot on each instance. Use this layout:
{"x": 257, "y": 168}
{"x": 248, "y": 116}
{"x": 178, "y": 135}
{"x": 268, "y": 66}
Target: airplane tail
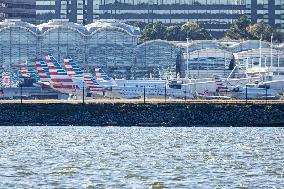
{"x": 9, "y": 79}
{"x": 101, "y": 75}
{"x": 58, "y": 76}
{"x": 92, "y": 84}
{"x": 24, "y": 71}
{"x": 42, "y": 70}
{"x": 71, "y": 67}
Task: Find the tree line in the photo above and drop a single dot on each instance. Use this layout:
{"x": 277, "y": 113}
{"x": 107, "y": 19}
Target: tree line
{"x": 241, "y": 29}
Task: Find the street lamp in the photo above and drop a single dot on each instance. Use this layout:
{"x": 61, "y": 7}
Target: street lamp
{"x": 83, "y": 93}
{"x": 21, "y": 90}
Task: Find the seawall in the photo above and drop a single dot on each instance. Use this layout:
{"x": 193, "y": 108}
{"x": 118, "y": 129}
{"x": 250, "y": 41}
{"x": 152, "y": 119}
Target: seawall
{"x": 131, "y": 114}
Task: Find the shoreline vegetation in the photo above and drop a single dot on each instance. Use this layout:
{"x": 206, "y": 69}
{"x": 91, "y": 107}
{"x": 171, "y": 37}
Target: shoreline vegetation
{"x": 172, "y": 114}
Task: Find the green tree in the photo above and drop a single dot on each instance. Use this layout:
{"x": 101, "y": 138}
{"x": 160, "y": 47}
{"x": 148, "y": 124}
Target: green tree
{"x": 154, "y": 31}
{"x": 173, "y": 33}
{"x": 261, "y": 29}
{"x": 159, "y": 30}
{"x": 238, "y": 29}
{"x": 148, "y": 32}
{"x": 193, "y": 31}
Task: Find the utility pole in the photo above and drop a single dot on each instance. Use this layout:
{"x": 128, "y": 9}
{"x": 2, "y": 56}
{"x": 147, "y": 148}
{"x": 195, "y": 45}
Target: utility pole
{"x": 83, "y": 93}
{"x": 144, "y": 95}
{"x": 21, "y": 86}
{"x": 266, "y": 94}
{"x": 185, "y": 94}
{"x": 165, "y": 92}
{"x": 246, "y": 94}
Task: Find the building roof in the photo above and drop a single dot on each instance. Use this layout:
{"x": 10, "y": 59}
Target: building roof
{"x": 56, "y": 23}
{"x": 64, "y": 23}
{"x": 18, "y": 23}
{"x": 101, "y": 24}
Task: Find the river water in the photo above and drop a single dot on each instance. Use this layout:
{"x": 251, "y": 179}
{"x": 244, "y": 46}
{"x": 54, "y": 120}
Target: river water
{"x": 117, "y": 157}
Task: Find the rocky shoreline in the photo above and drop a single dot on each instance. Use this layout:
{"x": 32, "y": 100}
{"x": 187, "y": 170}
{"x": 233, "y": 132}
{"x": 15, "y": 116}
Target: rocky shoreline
{"x": 144, "y": 115}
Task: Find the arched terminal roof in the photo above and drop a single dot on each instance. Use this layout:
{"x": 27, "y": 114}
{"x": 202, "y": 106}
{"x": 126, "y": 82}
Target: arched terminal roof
{"x": 249, "y": 45}
{"x": 17, "y": 23}
{"x": 103, "y": 24}
{"x": 63, "y": 23}
{"x": 202, "y": 44}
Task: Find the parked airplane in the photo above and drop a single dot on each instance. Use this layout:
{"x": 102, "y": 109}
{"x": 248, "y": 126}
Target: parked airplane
{"x": 52, "y": 74}
{"x": 74, "y": 71}
{"x": 43, "y": 71}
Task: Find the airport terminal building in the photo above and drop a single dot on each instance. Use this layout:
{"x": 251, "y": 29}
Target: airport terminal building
{"x": 114, "y": 46}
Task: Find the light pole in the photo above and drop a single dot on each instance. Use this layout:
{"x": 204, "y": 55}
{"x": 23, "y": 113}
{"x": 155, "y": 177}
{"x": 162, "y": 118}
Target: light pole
{"x": 83, "y": 93}
{"x": 266, "y": 94}
{"x": 271, "y": 51}
{"x": 21, "y": 87}
{"x": 185, "y": 94}
{"x": 187, "y": 54}
{"x": 260, "y": 54}
{"x": 278, "y": 64}
{"x": 165, "y": 92}
{"x": 144, "y": 95}
{"x": 246, "y": 94}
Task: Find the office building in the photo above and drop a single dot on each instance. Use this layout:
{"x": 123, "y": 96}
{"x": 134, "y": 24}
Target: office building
{"x": 14, "y": 9}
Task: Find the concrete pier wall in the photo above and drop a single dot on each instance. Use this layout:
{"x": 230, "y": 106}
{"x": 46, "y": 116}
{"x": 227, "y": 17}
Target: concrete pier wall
{"x": 172, "y": 114}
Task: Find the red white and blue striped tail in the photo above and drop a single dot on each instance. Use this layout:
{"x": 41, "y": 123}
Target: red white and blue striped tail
{"x": 71, "y": 67}
{"x": 92, "y": 84}
{"x": 42, "y": 70}
{"x": 101, "y": 75}
{"x": 59, "y": 77}
{"x": 24, "y": 71}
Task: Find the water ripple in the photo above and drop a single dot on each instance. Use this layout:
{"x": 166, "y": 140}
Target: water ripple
{"x": 112, "y": 157}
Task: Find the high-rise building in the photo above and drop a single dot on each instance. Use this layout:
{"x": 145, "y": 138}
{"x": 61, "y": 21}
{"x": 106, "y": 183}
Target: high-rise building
{"x": 78, "y": 11}
{"x": 214, "y": 15}
{"x": 12, "y": 9}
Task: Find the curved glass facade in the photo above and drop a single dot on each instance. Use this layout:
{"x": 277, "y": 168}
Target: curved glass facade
{"x": 157, "y": 58}
{"x": 114, "y": 47}
{"x": 113, "y": 50}
{"x": 17, "y": 45}
{"x": 111, "y": 46}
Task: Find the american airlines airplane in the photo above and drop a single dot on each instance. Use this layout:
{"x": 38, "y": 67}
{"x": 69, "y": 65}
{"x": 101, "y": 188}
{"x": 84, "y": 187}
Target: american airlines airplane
{"x": 52, "y": 74}
{"x": 74, "y": 71}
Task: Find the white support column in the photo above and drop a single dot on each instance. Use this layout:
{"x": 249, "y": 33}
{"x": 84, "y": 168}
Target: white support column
{"x": 260, "y": 54}
{"x": 271, "y": 52}
{"x": 278, "y": 64}
{"x": 187, "y": 54}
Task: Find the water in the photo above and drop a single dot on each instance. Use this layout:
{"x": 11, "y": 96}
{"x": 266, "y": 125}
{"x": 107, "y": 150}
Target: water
{"x": 113, "y": 157}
